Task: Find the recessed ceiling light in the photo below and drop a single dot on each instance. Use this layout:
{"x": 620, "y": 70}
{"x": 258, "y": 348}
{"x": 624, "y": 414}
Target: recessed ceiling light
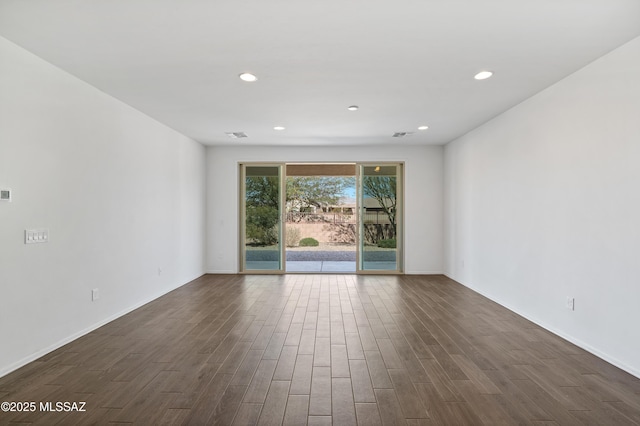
{"x": 278, "y": 128}
{"x": 247, "y": 76}
{"x": 353, "y": 108}
{"x": 423, "y": 127}
{"x": 483, "y": 75}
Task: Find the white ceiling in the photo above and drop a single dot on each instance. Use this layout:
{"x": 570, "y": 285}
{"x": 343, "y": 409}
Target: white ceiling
{"x": 404, "y": 62}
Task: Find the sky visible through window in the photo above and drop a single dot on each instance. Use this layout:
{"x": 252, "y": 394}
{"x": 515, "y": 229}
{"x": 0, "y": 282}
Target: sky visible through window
{"x": 349, "y": 192}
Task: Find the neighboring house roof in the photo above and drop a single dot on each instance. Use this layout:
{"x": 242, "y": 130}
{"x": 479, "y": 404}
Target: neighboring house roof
{"x": 372, "y": 203}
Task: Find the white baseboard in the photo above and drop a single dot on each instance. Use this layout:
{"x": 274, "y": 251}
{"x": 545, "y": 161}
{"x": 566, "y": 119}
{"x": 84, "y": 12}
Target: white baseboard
{"x": 30, "y": 358}
{"x": 600, "y": 354}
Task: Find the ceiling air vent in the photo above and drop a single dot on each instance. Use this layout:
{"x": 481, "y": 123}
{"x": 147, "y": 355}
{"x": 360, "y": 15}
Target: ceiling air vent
{"x": 236, "y": 135}
{"x": 402, "y": 134}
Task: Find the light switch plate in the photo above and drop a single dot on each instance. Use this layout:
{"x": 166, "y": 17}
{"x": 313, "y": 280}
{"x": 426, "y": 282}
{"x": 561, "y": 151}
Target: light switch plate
{"x": 5, "y": 195}
{"x": 33, "y": 236}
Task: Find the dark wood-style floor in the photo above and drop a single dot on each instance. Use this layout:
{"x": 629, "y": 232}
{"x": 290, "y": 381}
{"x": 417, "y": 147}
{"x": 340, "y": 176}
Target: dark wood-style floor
{"x": 321, "y": 350}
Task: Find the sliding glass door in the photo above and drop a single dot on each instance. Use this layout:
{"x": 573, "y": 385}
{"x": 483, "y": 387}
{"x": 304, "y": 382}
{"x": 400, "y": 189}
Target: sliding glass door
{"x": 261, "y": 212}
{"x": 378, "y": 226}
{"x": 380, "y": 217}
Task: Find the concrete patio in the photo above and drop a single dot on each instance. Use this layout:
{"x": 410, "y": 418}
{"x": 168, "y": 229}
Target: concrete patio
{"x": 330, "y": 261}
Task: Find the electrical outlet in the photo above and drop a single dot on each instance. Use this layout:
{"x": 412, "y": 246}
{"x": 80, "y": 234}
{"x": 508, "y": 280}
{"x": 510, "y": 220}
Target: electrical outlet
{"x": 571, "y": 303}
{"x": 95, "y": 294}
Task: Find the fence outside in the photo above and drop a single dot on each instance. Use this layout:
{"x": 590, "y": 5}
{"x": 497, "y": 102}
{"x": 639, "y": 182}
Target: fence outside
{"x": 371, "y": 217}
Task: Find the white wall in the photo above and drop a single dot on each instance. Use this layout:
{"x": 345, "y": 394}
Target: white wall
{"x": 121, "y": 195}
{"x": 423, "y": 197}
{"x": 543, "y": 202}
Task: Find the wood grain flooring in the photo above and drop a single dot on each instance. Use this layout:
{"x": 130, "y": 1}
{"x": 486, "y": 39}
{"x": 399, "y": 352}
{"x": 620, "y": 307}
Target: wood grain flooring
{"x": 321, "y": 350}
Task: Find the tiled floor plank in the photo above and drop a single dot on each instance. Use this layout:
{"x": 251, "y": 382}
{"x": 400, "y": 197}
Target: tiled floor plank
{"x": 367, "y": 414}
{"x": 301, "y": 381}
{"x": 297, "y": 410}
{"x": 361, "y": 381}
{"x": 343, "y": 408}
{"x": 320, "y": 402}
{"x": 274, "y": 405}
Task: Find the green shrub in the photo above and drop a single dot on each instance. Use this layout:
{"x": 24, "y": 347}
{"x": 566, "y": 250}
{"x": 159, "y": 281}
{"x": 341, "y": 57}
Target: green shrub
{"x": 390, "y": 243}
{"x": 309, "y": 242}
{"x": 262, "y": 225}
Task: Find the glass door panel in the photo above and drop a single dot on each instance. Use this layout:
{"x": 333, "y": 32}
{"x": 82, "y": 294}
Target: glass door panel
{"x": 261, "y": 218}
{"x": 380, "y": 218}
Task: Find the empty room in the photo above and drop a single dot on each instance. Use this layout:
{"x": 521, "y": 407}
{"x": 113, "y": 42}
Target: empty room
{"x": 320, "y": 213}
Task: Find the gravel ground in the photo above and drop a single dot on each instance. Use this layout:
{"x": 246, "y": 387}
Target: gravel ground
{"x": 331, "y": 256}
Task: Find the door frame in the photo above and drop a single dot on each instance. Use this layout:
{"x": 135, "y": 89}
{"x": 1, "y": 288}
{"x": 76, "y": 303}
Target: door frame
{"x": 399, "y": 218}
{"x": 242, "y": 218}
{"x": 359, "y": 214}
